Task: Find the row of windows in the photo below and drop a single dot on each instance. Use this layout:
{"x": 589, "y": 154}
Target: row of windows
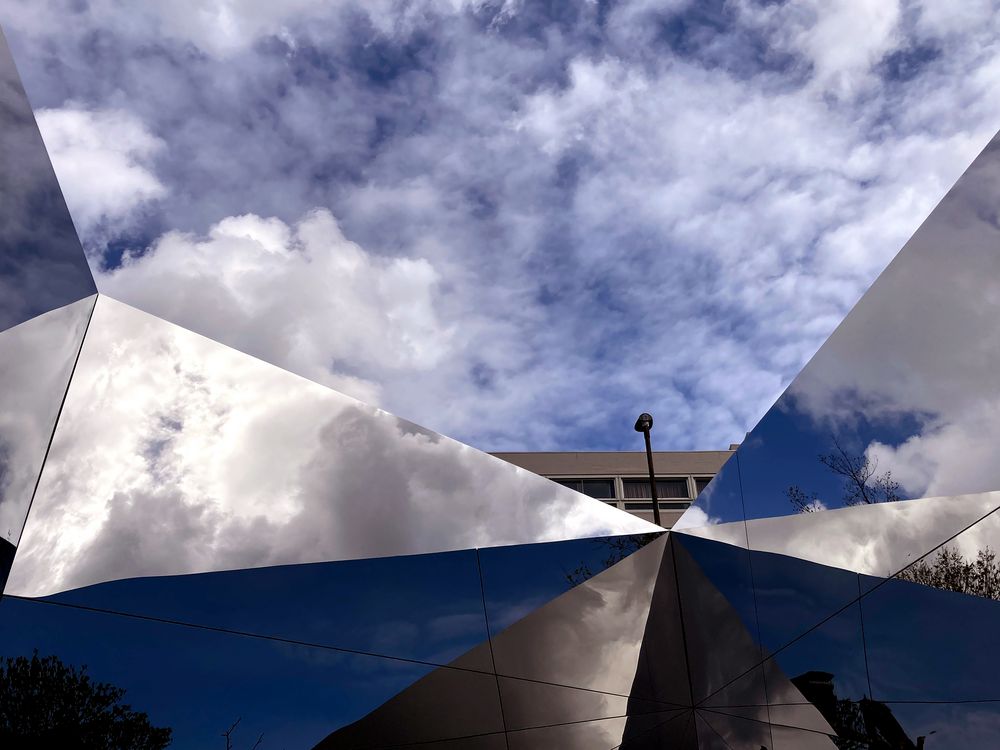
{"x": 674, "y": 493}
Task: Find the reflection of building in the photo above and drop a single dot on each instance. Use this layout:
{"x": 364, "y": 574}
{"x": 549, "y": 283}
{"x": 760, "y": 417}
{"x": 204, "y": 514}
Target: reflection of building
{"x": 621, "y": 478}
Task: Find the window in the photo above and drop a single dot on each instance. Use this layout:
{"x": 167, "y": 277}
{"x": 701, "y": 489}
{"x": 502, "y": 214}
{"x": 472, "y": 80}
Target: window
{"x": 701, "y": 483}
{"x": 666, "y": 489}
{"x": 602, "y": 489}
{"x": 670, "y": 505}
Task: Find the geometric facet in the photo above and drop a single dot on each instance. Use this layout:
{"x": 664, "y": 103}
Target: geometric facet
{"x": 902, "y": 400}
{"x": 36, "y": 360}
{"x": 175, "y": 454}
{"x": 42, "y": 265}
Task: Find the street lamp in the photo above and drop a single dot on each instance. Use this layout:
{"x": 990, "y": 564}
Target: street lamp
{"x": 644, "y": 424}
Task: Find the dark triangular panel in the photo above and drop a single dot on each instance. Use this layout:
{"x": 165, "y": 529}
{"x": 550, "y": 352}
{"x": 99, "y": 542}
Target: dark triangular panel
{"x": 42, "y": 265}
{"x": 933, "y": 664}
{"x": 193, "y": 680}
{"x": 931, "y": 642}
{"x": 518, "y": 579}
{"x": 904, "y": 392}
{"x": 599, "y": 734}
{"x": 36, "y": 360}
{"x": 544, "y": 675}
{"x": 572, "y": 660}
{"x": 810, "y": 625}
{"x": 420, "y": 608}
{"x": 716, "y": 600}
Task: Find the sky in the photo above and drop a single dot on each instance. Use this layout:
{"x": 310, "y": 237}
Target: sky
{"x": 516, "y": 223}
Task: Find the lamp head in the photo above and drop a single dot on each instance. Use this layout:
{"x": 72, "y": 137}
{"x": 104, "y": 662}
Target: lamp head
{"x": 644, "y": 423}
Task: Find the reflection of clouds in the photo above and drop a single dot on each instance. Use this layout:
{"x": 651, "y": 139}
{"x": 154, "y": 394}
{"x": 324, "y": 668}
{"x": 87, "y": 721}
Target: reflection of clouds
{"x": 924, "y": 345}
{"x": 694, "y": 517}
{"x": 43, "y": 263}
{"x": 604, "y": 618}
{"x": 36, "y": 358}
{"x": 176, "y": 454}
{"x": 873, "y": 539}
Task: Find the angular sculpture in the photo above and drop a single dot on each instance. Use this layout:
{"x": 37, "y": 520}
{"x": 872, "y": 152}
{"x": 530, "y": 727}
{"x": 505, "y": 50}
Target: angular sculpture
{"x": 250, "y": 555}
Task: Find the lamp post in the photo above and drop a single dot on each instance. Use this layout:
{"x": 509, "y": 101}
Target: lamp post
{"x": 644, "y": 424}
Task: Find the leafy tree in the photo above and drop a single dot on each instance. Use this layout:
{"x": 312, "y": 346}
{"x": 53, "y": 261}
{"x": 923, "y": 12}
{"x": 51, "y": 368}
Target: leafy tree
{"x": 950, "y": 571}
{"x": 44, "y": 703}
{"x": 862, "y": 484}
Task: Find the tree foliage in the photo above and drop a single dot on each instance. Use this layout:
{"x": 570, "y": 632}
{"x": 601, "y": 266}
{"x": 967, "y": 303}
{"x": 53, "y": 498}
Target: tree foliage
{"x": 45, "y": 703}
{"x": 950, "y": 571}
{"x": 862, "y": 484}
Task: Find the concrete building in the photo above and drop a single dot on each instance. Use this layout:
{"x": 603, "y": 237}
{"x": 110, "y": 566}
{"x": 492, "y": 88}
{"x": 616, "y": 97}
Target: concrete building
{"x": 621, "y": 478}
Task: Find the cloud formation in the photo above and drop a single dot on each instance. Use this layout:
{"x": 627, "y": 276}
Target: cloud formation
{"x": 175, "y": 455}
{"x": 736, "y": 159}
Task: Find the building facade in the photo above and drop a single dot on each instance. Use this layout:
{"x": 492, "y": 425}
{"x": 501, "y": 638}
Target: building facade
{"x": 621, "y": 478}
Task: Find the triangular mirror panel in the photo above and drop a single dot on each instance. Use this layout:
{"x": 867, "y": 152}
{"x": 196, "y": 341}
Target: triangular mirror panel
{"x": 42, "y": 265}
{"x": 902, "y": 401}
{"x": 36, "y": 362}
{"x": 175, "y": 454}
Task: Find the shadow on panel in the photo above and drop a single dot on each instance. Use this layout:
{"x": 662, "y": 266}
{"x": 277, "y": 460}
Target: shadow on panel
{"x": 191, "y": 681}
{"x": 42, "y": 265}
{"x": 297, "y": 473}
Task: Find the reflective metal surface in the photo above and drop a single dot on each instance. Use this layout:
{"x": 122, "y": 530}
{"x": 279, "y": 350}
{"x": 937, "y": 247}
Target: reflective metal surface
{"x": 36, "y": 360}
{"x": 902, "y": 401}
{"x": 874, "y": 539}
{"x": 42, "y": 265}
{"x": 175, "y": 454}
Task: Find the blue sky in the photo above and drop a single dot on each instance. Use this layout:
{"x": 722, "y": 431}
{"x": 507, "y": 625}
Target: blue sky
{"x": 517, "y": 223}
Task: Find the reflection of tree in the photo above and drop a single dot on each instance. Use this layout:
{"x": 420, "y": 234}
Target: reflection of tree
{"x": 860, "y": 725}
{"x": 44, "y": 703}
{"x": 228, "y": 734}
{"x": 950, "y": 571}
{"x": 862, "y": 484}
{"x": 617, "y": 548}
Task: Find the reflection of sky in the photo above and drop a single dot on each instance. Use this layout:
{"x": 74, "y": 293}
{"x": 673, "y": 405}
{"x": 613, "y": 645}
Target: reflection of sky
{"x": 36, "y": 359}
{"x": 931, "y": 645}
{"x": 42, "y": 265}
{"x": 423, "y": 607}
{"x": 874, "y": 539}
{"x": 909, "y": 378}
{"x": 175, "y": 454}
{"x": 520, "y": 578}
{"x": 198, "y": 682}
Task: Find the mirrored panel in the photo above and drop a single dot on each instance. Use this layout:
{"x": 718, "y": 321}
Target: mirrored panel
{"x": 720, "y": 731}
{"x": 873, "y": 539}
{"x": 575, "y": 658}
{"x": 175, "y": 454}
{"x": 36, "y": 360}
{"x": 720, "y": 503}
{"x": 933, "y": 663}
{"x": 600, "y": 734}
{"x": 518, "y": 579}
{"x": 151, "y": 683}
{"x": 720, "y": 624}
{"x": 650, "y": 732}
{"x": 810, "y": 626}
{"x": 457, "y": 703}
{"x": 42, "y": 265}
{"x": 425, "y": 608}
{"x": 901, "y": 402}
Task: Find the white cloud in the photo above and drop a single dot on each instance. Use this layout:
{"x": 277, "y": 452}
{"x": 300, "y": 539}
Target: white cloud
{"x": 175, "y": 454}
{"x": 520, "y": 176}
{"x": 104, "y": 162}
{"x": 876, "y": 540}
{"x": 301, "y": 295}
